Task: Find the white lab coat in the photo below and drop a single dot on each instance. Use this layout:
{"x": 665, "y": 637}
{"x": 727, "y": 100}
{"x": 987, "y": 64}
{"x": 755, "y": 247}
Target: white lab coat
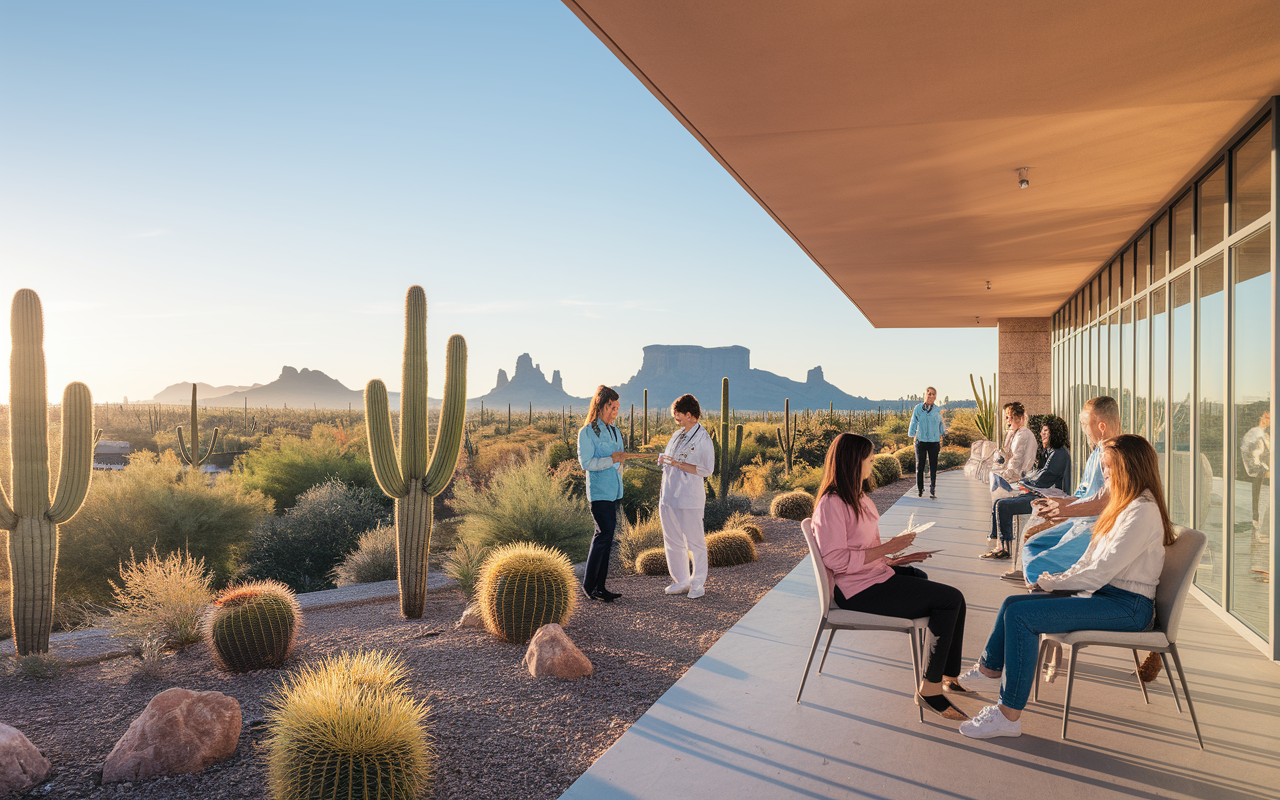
{"x": 682, "y": 502}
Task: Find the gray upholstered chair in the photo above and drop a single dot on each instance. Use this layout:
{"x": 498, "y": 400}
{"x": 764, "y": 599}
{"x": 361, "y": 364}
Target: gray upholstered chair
{"x": 832, "y": 617}
{"x": 1180, "y": 561}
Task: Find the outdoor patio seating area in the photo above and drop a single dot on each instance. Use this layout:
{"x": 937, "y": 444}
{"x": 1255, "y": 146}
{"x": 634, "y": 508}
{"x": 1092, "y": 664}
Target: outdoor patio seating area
{"x": 731, "y": 726}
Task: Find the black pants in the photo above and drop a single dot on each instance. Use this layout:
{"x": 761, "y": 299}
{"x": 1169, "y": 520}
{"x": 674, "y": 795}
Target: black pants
{"x": 1002, "y": 513}
{"x": 605, "y": 514}
{"x": 910, "y": 594}
{"x": 931, "y": 449}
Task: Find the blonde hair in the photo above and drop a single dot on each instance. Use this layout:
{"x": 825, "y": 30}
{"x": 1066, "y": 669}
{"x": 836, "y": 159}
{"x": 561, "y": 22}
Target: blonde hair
{"x": 1134, "y": 469}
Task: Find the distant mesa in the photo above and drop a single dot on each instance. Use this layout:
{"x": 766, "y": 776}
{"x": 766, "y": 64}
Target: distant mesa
{"x": 181, "y": 392}
{"x": 304, "y": 388}
{"x": 528, "y": 384}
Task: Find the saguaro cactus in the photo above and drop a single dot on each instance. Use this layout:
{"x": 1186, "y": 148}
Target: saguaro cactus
{"x": 414, "y": 475}
{"x": 644, "y": 435}
{"x": 728, "y": 460}
{"x": 32, "y": 520}
{"x": 786, "y": 435}
{"x": 191, "y": 454}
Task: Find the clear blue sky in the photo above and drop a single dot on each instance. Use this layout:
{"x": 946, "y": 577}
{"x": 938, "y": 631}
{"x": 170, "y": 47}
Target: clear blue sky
{"x": 210, "y": 191}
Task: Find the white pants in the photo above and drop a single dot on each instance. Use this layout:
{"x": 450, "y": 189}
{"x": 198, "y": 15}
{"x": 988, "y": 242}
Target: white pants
{"x": 682, "y": 537}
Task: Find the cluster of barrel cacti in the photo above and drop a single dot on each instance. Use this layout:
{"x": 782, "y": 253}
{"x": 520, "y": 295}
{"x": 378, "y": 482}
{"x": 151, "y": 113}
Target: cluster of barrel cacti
{"x": 738, "y": 521}
{"x": 412, "y": 474}
{"x": 348, "y": 728}
{"x": 524, "y": 586}
{"x": 252, "y": 626}
{"x": 796, "y": 505}
{"x": 730, "y": 548}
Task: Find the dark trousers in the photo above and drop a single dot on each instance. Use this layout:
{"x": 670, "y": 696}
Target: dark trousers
{"x": 931, "y": 449}
{"x": 1002, "y": 512}
{"x": 605, "y": 514}
{"x": 910, "y": 594}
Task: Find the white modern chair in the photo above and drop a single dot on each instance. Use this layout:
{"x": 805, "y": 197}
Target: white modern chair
{"x": 1180, "y": 561}
{"x": 832, "y": 617}
{"x": 978, "y": 466}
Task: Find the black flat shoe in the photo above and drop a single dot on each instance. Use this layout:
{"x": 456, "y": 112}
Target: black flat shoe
{"x": 611, "y": 595}
{"x": 603, "y": 597}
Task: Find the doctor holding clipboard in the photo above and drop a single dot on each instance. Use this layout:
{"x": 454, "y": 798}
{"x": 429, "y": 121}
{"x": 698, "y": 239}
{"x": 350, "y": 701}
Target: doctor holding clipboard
{"x": 689, "y": 458}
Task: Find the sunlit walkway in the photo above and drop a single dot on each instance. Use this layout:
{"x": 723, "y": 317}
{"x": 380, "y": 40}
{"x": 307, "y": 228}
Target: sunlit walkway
{"x": 731, "y": 727}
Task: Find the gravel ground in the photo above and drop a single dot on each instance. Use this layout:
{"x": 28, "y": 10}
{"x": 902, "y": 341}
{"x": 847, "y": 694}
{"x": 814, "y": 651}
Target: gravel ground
{"x": 498, "y": 732}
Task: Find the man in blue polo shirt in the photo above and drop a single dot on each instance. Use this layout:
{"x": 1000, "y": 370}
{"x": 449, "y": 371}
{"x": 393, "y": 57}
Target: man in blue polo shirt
{"x": 928, "y": 428}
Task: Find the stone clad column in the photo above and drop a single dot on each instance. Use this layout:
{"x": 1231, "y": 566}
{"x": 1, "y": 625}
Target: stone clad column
{"x": 1026, "y": 365}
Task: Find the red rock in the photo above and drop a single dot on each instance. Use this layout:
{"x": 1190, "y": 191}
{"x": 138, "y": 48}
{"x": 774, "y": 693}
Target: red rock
{"x": 21, "y": 765}
{"x": 553, "y": 654}
{"x": 180, "y": 731}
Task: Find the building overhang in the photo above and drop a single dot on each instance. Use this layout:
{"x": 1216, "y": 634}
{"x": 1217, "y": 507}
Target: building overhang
{"x": 884, "y": 136}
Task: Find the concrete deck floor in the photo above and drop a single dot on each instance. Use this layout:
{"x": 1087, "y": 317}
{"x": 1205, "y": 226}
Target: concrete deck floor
{"x": 731, "y": 727}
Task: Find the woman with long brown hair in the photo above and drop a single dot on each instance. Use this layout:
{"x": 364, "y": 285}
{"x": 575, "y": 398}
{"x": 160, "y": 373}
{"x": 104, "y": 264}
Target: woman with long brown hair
{"x": 868, "y": 578}
{"x": 1113, "y": 587}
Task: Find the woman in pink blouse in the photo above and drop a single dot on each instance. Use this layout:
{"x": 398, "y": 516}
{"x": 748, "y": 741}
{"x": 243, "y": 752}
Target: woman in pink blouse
{"x": 868, "y": 579}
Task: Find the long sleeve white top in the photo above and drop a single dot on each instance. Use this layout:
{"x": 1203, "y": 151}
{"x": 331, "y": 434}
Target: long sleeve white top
{"x": 682, "y": 489}
{"x": 1130, "y": 557}
{"x": 1020, "y": 455}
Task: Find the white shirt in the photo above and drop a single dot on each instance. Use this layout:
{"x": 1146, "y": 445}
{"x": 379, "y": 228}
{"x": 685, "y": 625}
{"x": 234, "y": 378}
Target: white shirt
{"x": 1130, "y": 557}
{"x": 1021, "y": 458}
{"x": 681, "y": 489}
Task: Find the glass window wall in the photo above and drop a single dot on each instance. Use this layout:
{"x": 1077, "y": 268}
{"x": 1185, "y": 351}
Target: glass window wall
{"x": 1160, "y": 249}
{"x": 1142, "y": 264}
{"x": 1142, "y": 367}
{"x": 1113, "y": 358}
{"x": 1160, "y": 380}
{"x": 1213, "y": 199}
{"x": 1182, "y": 228}
{"x": 1180, "y": 340}
{"x": 1126, "y": 369}
{"x": 1251, "y": 197}
{"x": 1209, "y": 489}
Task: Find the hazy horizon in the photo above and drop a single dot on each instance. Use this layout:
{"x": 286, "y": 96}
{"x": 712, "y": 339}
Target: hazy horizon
{"x": 207, "y": 193}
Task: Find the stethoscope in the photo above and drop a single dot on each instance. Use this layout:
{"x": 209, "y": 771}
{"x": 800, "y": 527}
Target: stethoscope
{"x": 686, "y": 447}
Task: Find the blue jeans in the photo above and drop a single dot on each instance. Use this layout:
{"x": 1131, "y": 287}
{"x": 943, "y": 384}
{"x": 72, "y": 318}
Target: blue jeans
{"x": 1002, "y": 513}
{"x": 1057, "y": 549}
{"x": 1015, "y": 639}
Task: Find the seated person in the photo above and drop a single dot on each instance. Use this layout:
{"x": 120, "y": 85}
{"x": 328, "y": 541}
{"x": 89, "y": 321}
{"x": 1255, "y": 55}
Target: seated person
{"x": 1114, "y": 587}
{"x": 866, "y": 578}
{"x": 1056, "y": 549}
{"x": 1052, "y": 474}
{"x": 1018, "y": 456}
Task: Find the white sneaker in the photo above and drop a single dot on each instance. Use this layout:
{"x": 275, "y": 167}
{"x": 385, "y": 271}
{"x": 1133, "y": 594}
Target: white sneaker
{"x": 973, "y": 680}
{"x": 677, "y": 588}
{"x": 695, "y": 592}
{"x": 990, "y": 723}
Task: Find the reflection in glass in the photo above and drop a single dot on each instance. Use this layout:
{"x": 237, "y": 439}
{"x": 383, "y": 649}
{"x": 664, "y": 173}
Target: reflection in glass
{"x": 1251, "y": 435}
{"x": 1160, "y": 249}
{"x": 1160, "y": 379}
{"x": 1213, "y": 196}
{"x": 1142, "y": 366}
{"x": 1210, "y": 489}
{"x": 1113, "y": 359}
{"x": 1125, "y": 278}
{"x": 1252, "y": 196}
{"x": 1182, "y": 214}
{"x": 1126, "y": 370}
{"x": 1142, "y": 261}
{"x": 1180, "y": 403}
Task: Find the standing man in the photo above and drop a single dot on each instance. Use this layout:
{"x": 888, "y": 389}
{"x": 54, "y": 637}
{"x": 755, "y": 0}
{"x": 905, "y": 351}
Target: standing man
{"x": 928, "y": 429}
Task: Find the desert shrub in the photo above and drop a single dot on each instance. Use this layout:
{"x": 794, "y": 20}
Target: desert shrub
{"x": 761, "y": 477}
{"x": 155, "y": 503}
{"x": 161, "y": 599}
{"x": 42, "y": 666}
{"x": 893, "y": 431}
{"x": 572, "y": 479}
{"x": 252, "y": 626}
{"x": 729, "y": 549}
{"x": 795, "y": 505}
{"x": 746, "y": 523}
{"x": 765, "y": 439}
{"x": 495, "y": 457}
{"x": 719, "y": 510}
{"x": 463, "y": 565}
{"x": 887, "y": 469}
{"x": 962, "y": 430}
{"x": 301, "y": 548}
{"x": 951, "y": 456}
{"x": 812, "y": 441}
{"x": 525, "y": 503}
{"x": 652, "y": 562}
{"x": 348, "y": 727}
{"x": 373, "y": 560}
{"x": 641, "y": 487}
{"x": 907, "y": 460}
{"x": 805, "y": 477}
{"x": 284, "y": 467}
{"x": 524, "y": 586}
{"x": 637, "y": 537}
{"x": 561, "y": 451}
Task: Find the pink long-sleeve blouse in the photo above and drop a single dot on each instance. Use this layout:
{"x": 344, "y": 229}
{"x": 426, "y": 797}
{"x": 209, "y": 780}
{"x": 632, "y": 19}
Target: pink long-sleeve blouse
{"x": 842, "y": 538}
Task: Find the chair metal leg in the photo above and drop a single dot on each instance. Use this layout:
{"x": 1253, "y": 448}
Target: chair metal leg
{"x": 1044, "y": 648}
{"x": 826, "y": 650}
{"x": 1172, "y": 689}
{"x": 917, "y": 652}
{"x": 1138, "y": 671}
{"x": 1071, "y": 679}
{"x": 1182, "y": 678}
{"x": 821, "y": 626}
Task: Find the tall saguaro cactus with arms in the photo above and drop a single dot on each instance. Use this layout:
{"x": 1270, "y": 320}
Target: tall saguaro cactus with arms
{"x": 413, "y": 475}
{"x": 32, "y": 519}
{"x": 192, "y": 455}
{"x": 728, "y": 460}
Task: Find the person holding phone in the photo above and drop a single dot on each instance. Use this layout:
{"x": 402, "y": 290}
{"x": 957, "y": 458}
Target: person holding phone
{"x": 867, "y": 576}
{"x": 689, "y": 458}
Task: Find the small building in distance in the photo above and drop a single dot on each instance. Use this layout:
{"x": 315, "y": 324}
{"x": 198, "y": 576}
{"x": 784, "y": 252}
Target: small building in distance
{"x": 111, "y": 455}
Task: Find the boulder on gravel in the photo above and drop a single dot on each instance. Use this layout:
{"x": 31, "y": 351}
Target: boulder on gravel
{"x": 180, "y": 731}
{"x": 470, "y": 618}
{"x": 553, "y": 654}
{"x": 21, "y": 765}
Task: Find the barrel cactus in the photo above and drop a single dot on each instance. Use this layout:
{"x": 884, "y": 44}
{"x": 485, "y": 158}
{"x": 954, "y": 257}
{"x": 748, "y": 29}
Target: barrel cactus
{"x": 33, "y": 519}
{"x": 729, "y": 549}
{"x": 413, "y": 475}
{"x": 652, "y": 562}
{"x": 524, "y": 586}
{"x": 746, "y": 523}
{"x": 795, "y": 505}
{"x": 348, "y": 728}
{"x": 252, "y": 626}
